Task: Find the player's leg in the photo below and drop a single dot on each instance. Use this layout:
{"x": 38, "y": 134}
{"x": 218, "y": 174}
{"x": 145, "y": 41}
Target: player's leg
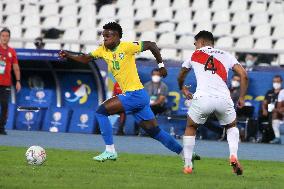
{"x": 233, "y": 136}
{"x": 109, "y": 107}
{"x": 201, "y": 107}
{"x": 276, "y": 119}
{"x": 188, "y": 144}
{"x": 4, "y": 109}
{"x": 153, "y": 130}
{"x": 226, "y": 115}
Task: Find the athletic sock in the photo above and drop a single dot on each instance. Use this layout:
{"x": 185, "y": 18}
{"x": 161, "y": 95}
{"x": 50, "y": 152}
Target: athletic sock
{"x": 110, "y": 148}
{"x": 188, "y": 146}
{"x": 276, "y": 128}
{"x": 233, "y": 136}
{"x": 168, "y": 141}
{"x": 106, "y": 128}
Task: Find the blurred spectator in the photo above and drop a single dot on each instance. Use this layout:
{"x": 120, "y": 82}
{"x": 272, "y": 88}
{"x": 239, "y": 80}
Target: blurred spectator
{"x": 158, "y": 92}
{"x": 8, "y": 61}
{"x": 271, "y": 114}
{"x": 277, "y": 113}
{"x": 39, "y": 43}
{"x": 122, "y": 116}
{"x": 250, "y": 62}
{"x": 235, "y": 88}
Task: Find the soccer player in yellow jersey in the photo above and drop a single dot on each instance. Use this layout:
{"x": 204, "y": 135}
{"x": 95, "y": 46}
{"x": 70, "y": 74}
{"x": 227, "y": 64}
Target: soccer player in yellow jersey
{"x": 120, "y": 58}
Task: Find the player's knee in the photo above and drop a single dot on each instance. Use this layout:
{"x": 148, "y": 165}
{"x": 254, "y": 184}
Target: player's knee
{"x": 102, "y": 110}
{"x": 152, "y": 132}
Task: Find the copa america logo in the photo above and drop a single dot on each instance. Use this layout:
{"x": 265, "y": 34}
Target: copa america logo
{"x": 57, "y": 116}
{"x": 84, "y": 118}
{"x": 29, "y": 116}
{"x": 40, "y": 95}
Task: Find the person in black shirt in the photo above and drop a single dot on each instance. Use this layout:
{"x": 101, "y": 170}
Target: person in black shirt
{"x": 269, "y": 112}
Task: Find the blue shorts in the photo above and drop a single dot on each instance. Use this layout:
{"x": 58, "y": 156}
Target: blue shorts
{"x": 137, "y": 103}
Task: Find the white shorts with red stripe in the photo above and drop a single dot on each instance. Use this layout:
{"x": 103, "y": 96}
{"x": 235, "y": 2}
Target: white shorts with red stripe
{"x": 203, "y": 105}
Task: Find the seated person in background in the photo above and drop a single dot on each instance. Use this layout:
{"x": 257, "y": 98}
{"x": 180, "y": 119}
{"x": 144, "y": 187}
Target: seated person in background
{"x": 39, "y": 44}
{"x": 250, "y": 62}
{"x": 122, "y": 116}
{"x": 277, "y": 113}
{"x": 269, "y": 113}
{"x": 157, "y": 91}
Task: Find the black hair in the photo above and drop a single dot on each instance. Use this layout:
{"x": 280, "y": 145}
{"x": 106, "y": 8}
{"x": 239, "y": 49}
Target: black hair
{"x": 205, "y": 35}
{"x": 6, "y": 30}
{"x": 114, "y": 27}
{"x": 155, "y": 70}
{"x": 278, "y": 76}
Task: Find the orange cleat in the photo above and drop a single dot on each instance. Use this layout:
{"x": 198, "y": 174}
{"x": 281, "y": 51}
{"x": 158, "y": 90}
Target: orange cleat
{"x": 237, "y": 168}
{"x": 187, "y": 170}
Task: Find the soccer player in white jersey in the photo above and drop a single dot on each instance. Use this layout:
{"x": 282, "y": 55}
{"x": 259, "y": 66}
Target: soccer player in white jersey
{"x": 212, "y": 95}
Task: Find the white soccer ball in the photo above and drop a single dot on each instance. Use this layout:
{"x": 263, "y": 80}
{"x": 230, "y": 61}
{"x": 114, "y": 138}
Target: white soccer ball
{"x": 35, "y": 155}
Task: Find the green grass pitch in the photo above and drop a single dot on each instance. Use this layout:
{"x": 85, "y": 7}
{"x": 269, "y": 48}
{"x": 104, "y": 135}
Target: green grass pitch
{"x": 76, "y": 169}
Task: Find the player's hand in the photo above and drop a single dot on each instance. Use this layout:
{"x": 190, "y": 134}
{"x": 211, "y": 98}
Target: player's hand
{"x": 63, "y": 54}
{"x": 163, "y": 72}
{"x": 186, "y": 93}
{"x": 18, "y": 86}
{"x": 241, "y": 102}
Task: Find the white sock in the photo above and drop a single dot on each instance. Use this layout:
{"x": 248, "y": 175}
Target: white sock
{"x": 110, "y": 148}
{"x": 188, "y": 146}
{"x": 276, "y": 128}
{"x": 233, "y": 137}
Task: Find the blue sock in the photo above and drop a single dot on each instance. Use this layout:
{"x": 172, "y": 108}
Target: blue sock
{"x": 105, "y": 125}
{"x": 165, "y": 138}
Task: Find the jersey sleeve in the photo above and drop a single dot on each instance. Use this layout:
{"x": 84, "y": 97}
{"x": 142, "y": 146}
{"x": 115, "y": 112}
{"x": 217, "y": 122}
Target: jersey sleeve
{"x": 14, "y": 57}
{"x": 97, "y": 53}
{"x": 187, "y": 64}
{"x": 233, "y": 61}
{"x": 135, "y": 47}
{"x": 281, "y": 96}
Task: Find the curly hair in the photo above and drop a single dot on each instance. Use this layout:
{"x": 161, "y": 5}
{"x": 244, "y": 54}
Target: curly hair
{"x": 114, "y": 27}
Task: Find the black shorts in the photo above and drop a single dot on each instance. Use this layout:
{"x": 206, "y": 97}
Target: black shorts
{"x": 5, "y": 94}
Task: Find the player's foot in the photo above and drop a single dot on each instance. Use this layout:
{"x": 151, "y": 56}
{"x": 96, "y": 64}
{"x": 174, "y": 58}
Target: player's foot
{"x": 195, "y": 156}
{"x": 187, "y": 170}
{"x": 275, "y": 141}
{"x": 106, "y": 156}
{"x": 237, "y": 168}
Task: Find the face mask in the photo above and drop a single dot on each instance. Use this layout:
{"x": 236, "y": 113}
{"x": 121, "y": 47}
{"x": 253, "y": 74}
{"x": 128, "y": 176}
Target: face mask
{"x": 249, "y": 63}
{"x": 235, "y": 84}
{"x": 156, "y": 78}
{"x": 276, "y": 85}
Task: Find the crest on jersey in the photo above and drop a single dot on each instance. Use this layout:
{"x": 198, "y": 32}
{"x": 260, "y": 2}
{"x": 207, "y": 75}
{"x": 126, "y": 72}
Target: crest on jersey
{"x": 121, "y": 56}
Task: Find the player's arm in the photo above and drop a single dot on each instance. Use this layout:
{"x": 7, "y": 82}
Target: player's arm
{"x": 181, "y": 78}
{"x": 152, "y": 46}
{"x": 85, "y": 58}
{"x": 244, "y": 83}
{"x": 264, "y": 106}
{"x": 16, "y": 69}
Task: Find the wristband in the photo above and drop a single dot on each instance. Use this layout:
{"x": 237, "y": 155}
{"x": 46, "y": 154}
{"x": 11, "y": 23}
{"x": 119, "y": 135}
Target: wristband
{"x": 161, "y": 65}
{"x": 18, "y": 80}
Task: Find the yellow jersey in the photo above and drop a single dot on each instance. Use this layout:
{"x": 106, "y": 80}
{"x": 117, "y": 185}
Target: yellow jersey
{"x": 121, "y": 63}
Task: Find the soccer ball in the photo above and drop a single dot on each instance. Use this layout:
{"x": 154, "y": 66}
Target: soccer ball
{"x": 35, "y": 155}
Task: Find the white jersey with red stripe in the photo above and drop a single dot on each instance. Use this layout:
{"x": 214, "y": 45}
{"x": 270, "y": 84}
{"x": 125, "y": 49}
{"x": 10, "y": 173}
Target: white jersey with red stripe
{"x": 211, "y": 68}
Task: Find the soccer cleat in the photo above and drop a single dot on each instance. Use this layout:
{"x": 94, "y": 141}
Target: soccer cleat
{"x": 275, "y": 141}
{"x": 187, "y": 170}
{"x": 106, "y": 156}
{"x": 237, "y": 168}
